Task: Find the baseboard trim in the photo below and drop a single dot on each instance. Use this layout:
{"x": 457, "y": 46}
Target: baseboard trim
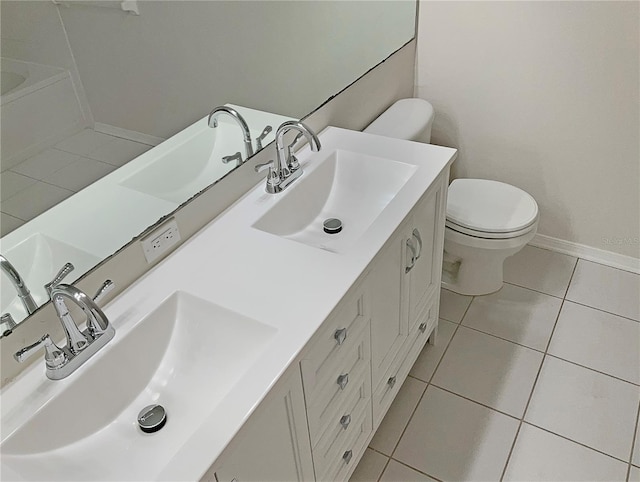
{"x": 127, "y": 134}
{"x": 596, "y": 255}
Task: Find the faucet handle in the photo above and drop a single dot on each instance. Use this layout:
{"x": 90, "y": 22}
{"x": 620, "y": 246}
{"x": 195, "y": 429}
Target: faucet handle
{"x": 235, "y": 157}
{"x": 106, "y": 287}
{"x": 8, "y": 324}
{"x": 263, "y": 166}
{"x": 53, "y": 355}
{"x": 261, "y": 137}
{"x": 64, "y": 271}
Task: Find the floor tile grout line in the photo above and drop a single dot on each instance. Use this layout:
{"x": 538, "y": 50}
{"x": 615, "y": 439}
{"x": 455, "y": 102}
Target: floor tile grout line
{"x": 592, "y": 369}
{"x": 535, "y": 382}
{"x": 510, "y": 283}
{"x": 475, "y": 401}
{"x": 501, "y": 338}
{"x": 573, "y": 272}
{"x": 416, "y": 470}
{"x": 430, "y": 378}
{"x": 564, "y": 437}
{"x": 602, "y": 311}
{"x": 633, "y": 442}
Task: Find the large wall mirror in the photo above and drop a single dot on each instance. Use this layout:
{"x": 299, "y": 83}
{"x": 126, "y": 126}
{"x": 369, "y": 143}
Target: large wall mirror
{"x": 96, "y": 95}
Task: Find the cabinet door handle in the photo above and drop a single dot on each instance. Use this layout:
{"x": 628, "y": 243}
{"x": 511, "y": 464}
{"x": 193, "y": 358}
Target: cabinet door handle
{"x": 422, "y": 327}
{"x": 345, "y": 420}
{"x": 413, "y": 256}
{"x": 347, "y": 456}
{"x": 340, "y": 335}
{"x": 392, "y": 381}
{"x": 343, "y": 380}
{"x": 416, "y": 234}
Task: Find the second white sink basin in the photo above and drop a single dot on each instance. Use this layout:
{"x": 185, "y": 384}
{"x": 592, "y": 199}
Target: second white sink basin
{"x": 186, "y": 355}
{"x": 352, "y": 187}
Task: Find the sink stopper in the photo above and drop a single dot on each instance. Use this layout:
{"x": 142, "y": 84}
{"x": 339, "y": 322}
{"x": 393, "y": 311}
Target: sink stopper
{"x": 332, "y": 226}
{"x": 152, "y": 418}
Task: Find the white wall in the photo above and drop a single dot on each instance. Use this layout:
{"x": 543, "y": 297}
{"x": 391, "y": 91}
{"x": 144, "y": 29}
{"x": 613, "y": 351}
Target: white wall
{"x": 545, "y": 96}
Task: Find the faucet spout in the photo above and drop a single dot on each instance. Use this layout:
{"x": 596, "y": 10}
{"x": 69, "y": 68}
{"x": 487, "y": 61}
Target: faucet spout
{"x": 97, "y": 321}
{"x": 234, "y": 114}
{"x": 19, "y": 284}
{"x": 311, "y": 137}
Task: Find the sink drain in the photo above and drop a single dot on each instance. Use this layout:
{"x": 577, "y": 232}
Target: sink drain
{"x": 152, "y": 418}
{"x": 332, "y": 226}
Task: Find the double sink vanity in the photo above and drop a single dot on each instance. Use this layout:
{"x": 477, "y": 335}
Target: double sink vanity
{"x": 275, "y": 348}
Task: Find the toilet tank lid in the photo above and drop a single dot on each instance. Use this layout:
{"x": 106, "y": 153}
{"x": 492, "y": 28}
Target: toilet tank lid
{"x": 490, "y": 206}
{"x": 405, "y": 119}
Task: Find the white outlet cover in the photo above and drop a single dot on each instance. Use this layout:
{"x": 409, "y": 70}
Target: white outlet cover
{"x": 160, "y": 240}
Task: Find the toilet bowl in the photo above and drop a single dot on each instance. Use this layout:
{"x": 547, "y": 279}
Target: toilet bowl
{"x": 486, "y": 222}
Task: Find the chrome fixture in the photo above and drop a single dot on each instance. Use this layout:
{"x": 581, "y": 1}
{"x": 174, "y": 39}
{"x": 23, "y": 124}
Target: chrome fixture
{"x": 230, "y": 111}
{"x": 261, "y": 137}
{"x": 19, "y": 284}
{"x": 235, "y": 157}
{"x": 286, "y": 169}
{"x": 80, "y": 345}
{"x": 7, "y": 324}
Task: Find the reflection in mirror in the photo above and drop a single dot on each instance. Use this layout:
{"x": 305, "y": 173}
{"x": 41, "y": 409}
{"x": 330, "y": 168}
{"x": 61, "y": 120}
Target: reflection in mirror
{"x": 88, "y": 90}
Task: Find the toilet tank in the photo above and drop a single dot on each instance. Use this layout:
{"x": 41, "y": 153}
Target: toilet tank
{"x": 409, "y": 119}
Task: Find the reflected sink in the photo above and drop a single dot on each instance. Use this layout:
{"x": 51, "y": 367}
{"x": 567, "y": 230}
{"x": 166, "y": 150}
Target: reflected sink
{"x": 350, "y": 186}
{"x": 186, "y": 355}
{"x": 38, "y": 259}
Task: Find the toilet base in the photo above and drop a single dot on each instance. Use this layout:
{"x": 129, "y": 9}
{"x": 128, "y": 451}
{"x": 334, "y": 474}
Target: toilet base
{"x": 474, "y": 266}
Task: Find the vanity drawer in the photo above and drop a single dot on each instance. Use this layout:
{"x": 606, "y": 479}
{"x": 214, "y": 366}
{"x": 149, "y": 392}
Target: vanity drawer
{"x": 387, "y": 390}
{"x": 334, "y": 391}
{"x": 337, "y": 461}
{"x": 338, "y": 337}
{"x": 331, "y": 423}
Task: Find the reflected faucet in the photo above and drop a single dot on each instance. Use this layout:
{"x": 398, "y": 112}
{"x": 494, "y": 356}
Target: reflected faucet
{"x": 285, "y": 169}
{"x": 19, "y": 284}
{"x": 230, "y": 111}
{"x": 80, "y": 345}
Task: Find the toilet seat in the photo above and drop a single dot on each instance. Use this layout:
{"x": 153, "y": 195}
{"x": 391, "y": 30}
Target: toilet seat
{"x": 490, "y": 209}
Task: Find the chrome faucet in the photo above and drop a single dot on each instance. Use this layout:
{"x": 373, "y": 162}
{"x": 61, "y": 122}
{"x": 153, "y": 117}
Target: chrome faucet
{"x": 286, "y": 169}
{"x": 80, "y": 345}
{"x": 230, "y": 111}
{"x": 19, "y": 284}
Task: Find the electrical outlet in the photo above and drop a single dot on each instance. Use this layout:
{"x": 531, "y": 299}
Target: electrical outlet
{"x": 160, "y": 240}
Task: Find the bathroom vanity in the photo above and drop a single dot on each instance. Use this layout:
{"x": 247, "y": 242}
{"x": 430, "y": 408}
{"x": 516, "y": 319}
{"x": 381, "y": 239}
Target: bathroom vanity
{"x": 286, "y": 379}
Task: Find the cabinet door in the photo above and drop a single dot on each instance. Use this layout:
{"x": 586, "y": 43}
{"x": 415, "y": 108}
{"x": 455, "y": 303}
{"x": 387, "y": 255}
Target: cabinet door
{"x": 388, "y": 325}
{"x": 427, "y": 237}
{"x": 273, "y": 445}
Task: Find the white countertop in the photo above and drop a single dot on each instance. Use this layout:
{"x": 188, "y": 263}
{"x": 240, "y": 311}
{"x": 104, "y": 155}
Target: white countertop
{"x": 285, "y": 284}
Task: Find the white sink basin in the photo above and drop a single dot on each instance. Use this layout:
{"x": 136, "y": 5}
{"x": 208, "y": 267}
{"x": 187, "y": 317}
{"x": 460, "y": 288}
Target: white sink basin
{"x": 350, "y": 186}
{"x": 186, "y": 355}
{"x": 38, "y": 259}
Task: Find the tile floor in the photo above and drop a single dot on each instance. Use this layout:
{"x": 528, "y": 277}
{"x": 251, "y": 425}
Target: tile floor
{"x": 537, "y": 382}
{"x": 42, "y": 181}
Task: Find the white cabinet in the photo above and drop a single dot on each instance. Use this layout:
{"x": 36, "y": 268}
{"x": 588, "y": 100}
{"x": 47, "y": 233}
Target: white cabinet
{"x": 386, "y": 283}
{"x": 273, "y": 445}
{"x": 354, "y": 365}
{"x": 404, "y": 283}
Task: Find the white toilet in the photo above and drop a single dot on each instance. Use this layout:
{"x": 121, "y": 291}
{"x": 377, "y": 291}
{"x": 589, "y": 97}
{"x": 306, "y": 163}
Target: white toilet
{"x": 487, "y": 221}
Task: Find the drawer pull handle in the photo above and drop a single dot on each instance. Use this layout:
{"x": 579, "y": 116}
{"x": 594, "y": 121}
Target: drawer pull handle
{"x": 340, "y": 335}
{"x": 343, "y": 380}
{"x": 422, "y": 327}
{"x": 413, "y": 256}
{"x": 345, "y": 421}
{"x": 416, "y": 234}
{"x": 392, "y": 381}
{"x": 347, "y": 456}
